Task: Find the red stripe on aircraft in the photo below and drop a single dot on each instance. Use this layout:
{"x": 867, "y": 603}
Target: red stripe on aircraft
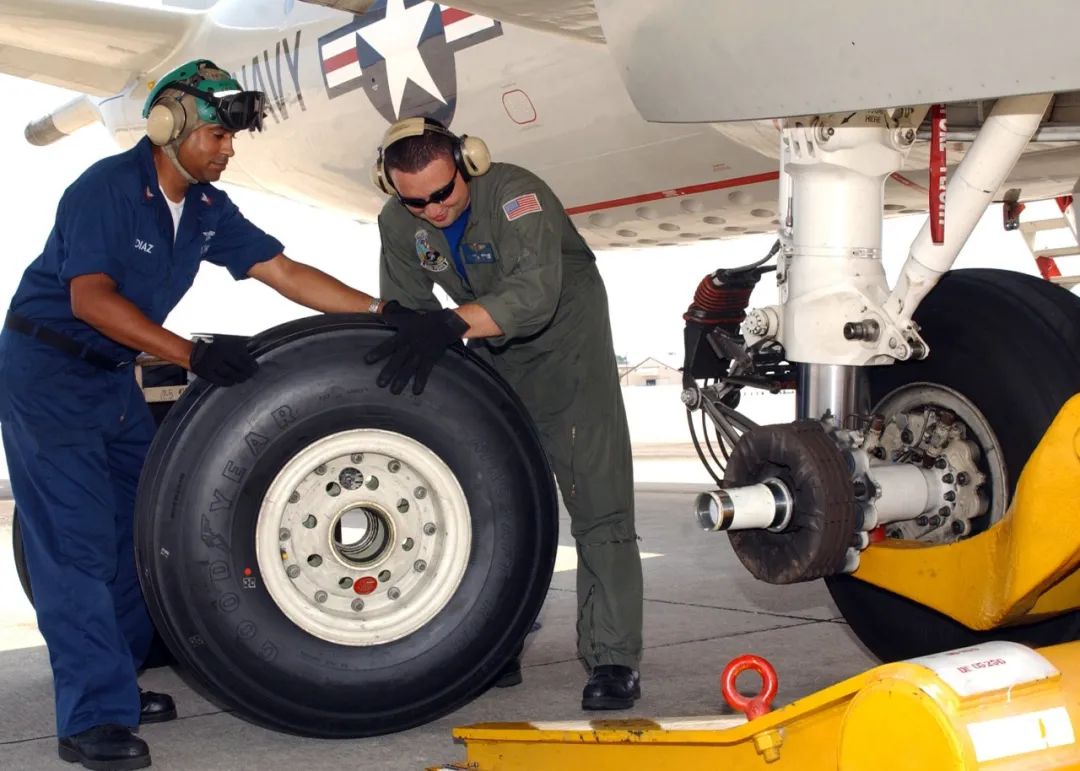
{"x": 678, "y": 192}
{"x": 341, "y": 60}
{"x": 450, "y": 15}
{"x": 907, "y": 182}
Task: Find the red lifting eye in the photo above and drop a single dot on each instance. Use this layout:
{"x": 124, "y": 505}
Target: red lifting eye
{"x": 753, "y": 707}
{"x": 365, "y": 585}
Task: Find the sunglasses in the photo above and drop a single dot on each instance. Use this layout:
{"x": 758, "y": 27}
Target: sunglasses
{"x": 438, "y": 196}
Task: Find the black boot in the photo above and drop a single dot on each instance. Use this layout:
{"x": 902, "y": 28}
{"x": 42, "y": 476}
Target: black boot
{"x": 105, "y": 748}
{"x": 510, "y": 674}
{"x": 155, "y": 707}
{"x": 611, "y": 686}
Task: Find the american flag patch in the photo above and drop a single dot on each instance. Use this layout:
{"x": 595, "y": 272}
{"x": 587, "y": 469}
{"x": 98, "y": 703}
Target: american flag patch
{"x": 522, "y": 205}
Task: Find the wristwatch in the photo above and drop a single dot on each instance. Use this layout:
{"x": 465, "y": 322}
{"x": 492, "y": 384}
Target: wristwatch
{"x": 373, "y": 306}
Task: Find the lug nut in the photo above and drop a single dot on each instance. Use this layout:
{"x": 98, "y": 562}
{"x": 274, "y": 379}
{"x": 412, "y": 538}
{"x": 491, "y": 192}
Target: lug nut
{"x": 320, "y": 469}
{"x": 948, "y": 479}
{"x": 906, "y": 436}
{"x": 859, "y": 488}
{"x": 394, "y": 466}
{"x": 393, "y": 593}
{"x": 357, "y": 605}
{"x": 963, "y": 479}
{"x": 922, "y": 521}
{"x": 950, "y": 496}
{"x": 357, "y": 457}
{"x": 429, "y": 528}
{"x": 935, "y": 521}
{"x": 944, "y": 511}
{"x": 294, "y": 497}
{"x": 320, "y": 596}
{"x": 957, "y": 527}
{"x": 292, "y": 571}
{"x": 419, "y": 566}
{"x": 941, "y": 463}
{"x": 283, "y": 534}
{"x": 420, "y": 493}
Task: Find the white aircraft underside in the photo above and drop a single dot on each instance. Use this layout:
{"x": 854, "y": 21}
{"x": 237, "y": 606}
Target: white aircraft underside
{"x": 554, "y": 103}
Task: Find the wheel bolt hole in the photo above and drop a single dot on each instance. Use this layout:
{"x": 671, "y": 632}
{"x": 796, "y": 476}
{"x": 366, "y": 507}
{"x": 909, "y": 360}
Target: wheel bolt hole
{"x": 351, "y": 478}
{"x": 345, "y": 583}
{"x": 314, "y": 560}
{"x": 384, "y": 576}
{"x": 333, "y": 489}
{"x": 310, "y": 521}
{"x": 407, "y": 544}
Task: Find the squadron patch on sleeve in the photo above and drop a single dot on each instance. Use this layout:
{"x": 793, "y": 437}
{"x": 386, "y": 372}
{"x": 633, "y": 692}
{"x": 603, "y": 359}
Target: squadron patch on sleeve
{"x": 520, "y": 206}
{"x": 430, "y": 258}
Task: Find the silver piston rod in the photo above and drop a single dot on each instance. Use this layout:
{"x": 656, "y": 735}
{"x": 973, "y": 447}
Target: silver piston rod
{"x": 900, "y": 492}
{"x": 767, "y": 505}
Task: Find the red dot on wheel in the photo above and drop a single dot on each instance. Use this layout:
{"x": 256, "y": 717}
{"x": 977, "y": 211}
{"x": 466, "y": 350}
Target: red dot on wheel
{"x": 365, "y": 585}
{"x": 247, "y": 571}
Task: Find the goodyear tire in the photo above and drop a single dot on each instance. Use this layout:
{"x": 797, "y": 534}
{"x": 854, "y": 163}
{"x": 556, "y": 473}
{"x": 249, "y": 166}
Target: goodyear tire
{"x": 1010, "y": 344}
{"x": 333, "y": 560}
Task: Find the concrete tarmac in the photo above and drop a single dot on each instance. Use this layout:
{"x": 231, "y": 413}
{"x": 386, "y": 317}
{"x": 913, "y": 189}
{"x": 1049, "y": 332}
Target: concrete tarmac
{"x": 701, "y": 609}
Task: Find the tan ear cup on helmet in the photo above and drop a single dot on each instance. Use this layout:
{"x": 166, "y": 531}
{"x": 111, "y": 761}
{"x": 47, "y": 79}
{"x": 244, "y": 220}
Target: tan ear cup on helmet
{"x": 378, "y": 176}
{"x": 475, "y": 156}
{"x": 166, "y": 121}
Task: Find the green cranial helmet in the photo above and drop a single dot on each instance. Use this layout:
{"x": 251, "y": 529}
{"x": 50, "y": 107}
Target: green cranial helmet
{"x": 195, "y": 94}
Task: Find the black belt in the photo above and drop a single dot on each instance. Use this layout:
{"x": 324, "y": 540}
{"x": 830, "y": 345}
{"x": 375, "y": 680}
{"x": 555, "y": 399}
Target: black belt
{"x": 62, "y": 342}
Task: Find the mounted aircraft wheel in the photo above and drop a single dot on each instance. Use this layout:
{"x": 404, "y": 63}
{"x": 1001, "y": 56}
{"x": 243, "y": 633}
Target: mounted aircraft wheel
{"x": 1004, "y": 357}
{"x": 337, "y": 561}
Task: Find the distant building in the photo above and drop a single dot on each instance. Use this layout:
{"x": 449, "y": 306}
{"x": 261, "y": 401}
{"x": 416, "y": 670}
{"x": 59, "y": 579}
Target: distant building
{"x": 649, "y": 372}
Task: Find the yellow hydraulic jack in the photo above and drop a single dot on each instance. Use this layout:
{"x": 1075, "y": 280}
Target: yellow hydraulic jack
{"x": 994, "y": 706}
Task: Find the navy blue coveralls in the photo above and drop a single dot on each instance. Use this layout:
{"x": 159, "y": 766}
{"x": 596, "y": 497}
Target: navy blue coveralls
{"x": 76, "y": 434}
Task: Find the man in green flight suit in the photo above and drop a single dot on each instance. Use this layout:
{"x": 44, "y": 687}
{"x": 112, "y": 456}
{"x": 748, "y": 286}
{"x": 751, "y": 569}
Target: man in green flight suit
{"x": 501, "y": 245}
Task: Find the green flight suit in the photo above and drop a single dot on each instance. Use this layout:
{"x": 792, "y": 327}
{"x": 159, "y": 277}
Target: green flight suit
{"x": 533, "y": 273}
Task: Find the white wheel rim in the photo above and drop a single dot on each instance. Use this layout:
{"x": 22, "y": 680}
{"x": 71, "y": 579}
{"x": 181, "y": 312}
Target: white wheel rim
{"x": 326, "y": 535}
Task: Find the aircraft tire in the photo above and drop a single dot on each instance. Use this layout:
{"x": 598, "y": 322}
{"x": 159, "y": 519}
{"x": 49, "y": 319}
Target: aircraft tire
{"x": 333, "y": 560}
{"x": 1010, "y": 343}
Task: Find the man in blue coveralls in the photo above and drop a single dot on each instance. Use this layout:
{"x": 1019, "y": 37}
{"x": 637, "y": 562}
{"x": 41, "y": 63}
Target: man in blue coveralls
{"x": 129, "y": 237}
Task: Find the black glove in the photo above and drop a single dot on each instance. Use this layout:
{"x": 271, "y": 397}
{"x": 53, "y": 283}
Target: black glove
{"x": 392, "y": 310}
{"x": 224, "y": 362}
{"x": 421, "y": 340}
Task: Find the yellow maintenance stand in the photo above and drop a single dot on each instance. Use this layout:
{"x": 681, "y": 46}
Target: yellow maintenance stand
{"x": 999, "y": 705}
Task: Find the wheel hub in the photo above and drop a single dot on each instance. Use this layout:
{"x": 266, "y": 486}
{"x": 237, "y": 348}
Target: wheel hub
{"x": 363, "y": 537}
{"x": 939, "y": 428}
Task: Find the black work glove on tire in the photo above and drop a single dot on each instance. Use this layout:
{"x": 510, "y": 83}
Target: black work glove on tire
{"x": 421, "y": 340}
{"x": 224, "y": 362}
